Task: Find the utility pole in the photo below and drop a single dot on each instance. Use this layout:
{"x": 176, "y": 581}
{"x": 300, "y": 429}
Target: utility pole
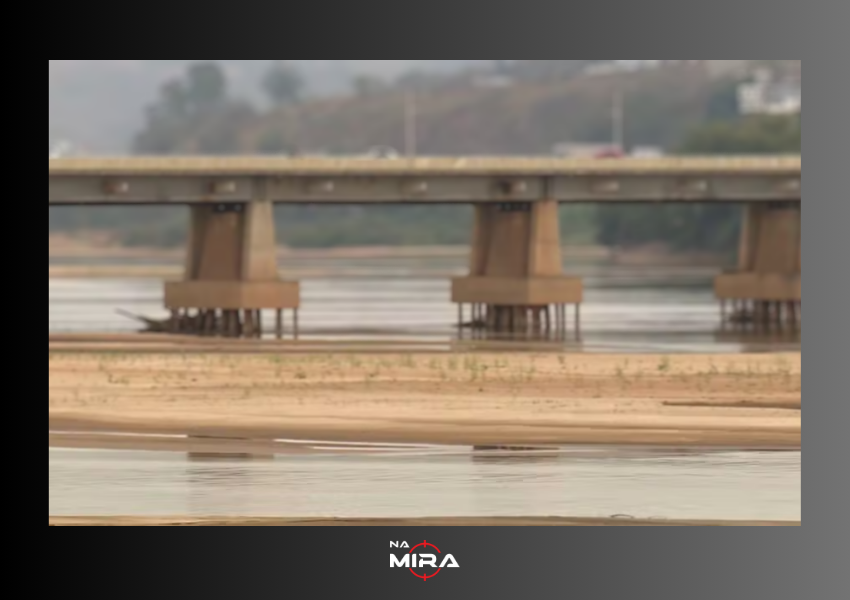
{"x": 618, "y": 122}
{"x": 410, "y": 124}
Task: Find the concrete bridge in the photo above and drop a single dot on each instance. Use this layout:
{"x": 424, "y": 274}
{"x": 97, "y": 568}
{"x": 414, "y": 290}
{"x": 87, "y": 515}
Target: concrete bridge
{"x": 515, "y": 283}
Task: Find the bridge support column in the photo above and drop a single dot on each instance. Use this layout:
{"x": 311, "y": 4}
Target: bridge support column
{"x": 765, "y": 291}
{"x": 516, "y": 282}
{"x": 231, "y": 273}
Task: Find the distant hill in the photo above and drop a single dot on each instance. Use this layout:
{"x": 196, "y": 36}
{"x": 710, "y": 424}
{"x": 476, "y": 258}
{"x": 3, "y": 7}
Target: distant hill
{"x": 99, "y": 103}
{"x": 472, "y": 115}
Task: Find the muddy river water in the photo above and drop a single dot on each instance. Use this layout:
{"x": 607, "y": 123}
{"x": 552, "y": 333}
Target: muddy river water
{"x": 625, "y": 309}
{"x": 426, "y": 482}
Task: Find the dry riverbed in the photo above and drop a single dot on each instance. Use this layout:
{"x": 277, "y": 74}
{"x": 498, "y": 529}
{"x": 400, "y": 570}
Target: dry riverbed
{"x": 488, "y": 398}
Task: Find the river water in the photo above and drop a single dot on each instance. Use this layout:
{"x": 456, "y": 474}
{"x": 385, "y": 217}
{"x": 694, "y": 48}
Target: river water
{"x": 423, "y": 483}
{"x": 626, "y": 310}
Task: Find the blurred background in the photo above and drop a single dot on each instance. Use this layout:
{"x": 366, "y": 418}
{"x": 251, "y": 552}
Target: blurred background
{"x": 383, "y": 270}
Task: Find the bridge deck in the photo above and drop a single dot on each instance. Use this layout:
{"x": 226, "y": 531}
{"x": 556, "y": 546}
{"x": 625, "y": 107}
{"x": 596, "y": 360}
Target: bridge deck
{"x": 454, "y": 166}
{"x": 192, "y": 180}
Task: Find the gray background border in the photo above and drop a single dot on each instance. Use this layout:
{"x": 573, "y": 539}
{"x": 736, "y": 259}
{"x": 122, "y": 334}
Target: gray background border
{"x": 612, "y": 563}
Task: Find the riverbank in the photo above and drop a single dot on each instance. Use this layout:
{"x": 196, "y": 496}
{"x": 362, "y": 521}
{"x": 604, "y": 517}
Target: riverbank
{"x": 100, "y": 245}
{"x": 426, "y": 522}
{"x": 103, "y": 247}
{"x": 740, "y": 401}
{"x": 175, "y": 272}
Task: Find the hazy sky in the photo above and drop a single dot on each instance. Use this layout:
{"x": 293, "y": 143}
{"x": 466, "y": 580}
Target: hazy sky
{"x": 100, "y": 103}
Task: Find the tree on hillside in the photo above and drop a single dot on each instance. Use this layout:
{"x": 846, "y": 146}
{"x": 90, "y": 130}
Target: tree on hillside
{"x": 275, "y": 142}
{"x": 194, "y": 106}
{"x": 713, "y": 227}
{"x": 205, "y": 85}
{"x": 770, "y": 134}
{"x": 367, "y": 85}
{"x": 283, "y": 83}
{"x": 221, "y": 132}
{"x": 724, "y": 105}
{"x": 173, "y": 99}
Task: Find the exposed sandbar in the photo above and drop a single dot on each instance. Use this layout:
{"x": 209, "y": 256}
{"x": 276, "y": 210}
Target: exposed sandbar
{"x": 745, "y": 401}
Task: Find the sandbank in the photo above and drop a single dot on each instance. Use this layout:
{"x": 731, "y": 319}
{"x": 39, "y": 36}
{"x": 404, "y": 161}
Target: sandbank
{"x": 713, "y": 401}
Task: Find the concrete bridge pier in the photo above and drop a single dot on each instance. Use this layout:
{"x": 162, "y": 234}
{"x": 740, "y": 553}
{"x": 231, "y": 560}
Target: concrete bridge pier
{"x": 231, "y": 274}
{"x": 516, "y": 284}
{"x": 765, "y": 291}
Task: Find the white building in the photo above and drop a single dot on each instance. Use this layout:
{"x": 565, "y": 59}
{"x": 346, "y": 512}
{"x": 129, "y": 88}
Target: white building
{"x": 766, "y": 95}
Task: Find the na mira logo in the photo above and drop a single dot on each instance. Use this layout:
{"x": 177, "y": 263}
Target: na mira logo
{"x": 423, "y": 560}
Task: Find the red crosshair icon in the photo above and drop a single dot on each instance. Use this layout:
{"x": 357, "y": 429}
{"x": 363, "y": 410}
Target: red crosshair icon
{"x": 424, "y": 544}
